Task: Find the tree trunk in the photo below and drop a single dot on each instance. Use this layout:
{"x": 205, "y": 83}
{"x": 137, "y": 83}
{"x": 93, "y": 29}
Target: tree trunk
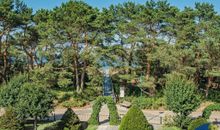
{"x": 76, "y": 67}
{"x": 35, "y": 123}
{"x": 208, "y": 86}
{"x": 5, "y": 65}
{"x": 83, "y": 77}
{"x": 148, "y": 70}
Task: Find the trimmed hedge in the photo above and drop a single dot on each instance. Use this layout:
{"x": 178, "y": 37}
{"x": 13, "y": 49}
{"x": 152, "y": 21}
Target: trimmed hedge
{"x": 196, "y": 123}
{"x": 135, "y": 120}
{"x": 208, "y": 110}
{"x": 114, "y": 118}
{"x": 70, "y": 120}
{"x": 57, "y": 125}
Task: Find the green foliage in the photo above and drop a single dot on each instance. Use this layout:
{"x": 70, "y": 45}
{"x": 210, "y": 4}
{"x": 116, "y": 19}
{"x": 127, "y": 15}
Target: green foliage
{"x": 208, "y": 110}
{"x": 214, "y": 95}
{"x": 148, "y": 103}
{"x": 213, "y": 127}
{"x": 9, "y": 120}
{"x": 196, "y": 123}
{"x": 181, "y": 121}
{"x": 92, "y": 127}
{"x": 71, "y": 120}
{"x": 57, "y": 125}
{"x": 114, "y": 117}
{"x": 134, "y": 120}
{"x": 180, "y": 95}
{"x": 9, "y": 92}
{"x": 34, "y": 101}
{"x": 74, "y": 103}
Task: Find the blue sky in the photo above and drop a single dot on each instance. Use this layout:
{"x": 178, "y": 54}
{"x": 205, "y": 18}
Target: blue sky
{"x": 49, "y": 4}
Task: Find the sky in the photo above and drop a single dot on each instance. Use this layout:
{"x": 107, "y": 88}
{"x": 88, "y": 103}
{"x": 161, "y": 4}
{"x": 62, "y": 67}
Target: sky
{"x": 49, "y": 4}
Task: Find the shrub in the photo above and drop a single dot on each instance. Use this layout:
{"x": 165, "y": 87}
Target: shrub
{"x": 114, "y": 118}
{"x": 57, "y": 125}
{"x": 180, "y": 94}
{"x": 181, "y": 97}
{"x": 213, "y": 127}
{"x": 196, "y": 123}
{"x": 208, "y": 110}
{"x": 74, "y": 103}
{"x": 214, "y": 95}
{"x": 134, "y": 120}
{"x": 148, "y": 103}
{"x": 70, "y": 120}
{"x": 9, "y": 121}
{"x": 9, "y": 93}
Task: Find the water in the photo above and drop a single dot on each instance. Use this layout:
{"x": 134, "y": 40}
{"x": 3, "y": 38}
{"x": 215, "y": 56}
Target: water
{"x": 203, "y": 127}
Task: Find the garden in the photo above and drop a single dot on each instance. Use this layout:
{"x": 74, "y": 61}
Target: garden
{"x": 129, "y": 66}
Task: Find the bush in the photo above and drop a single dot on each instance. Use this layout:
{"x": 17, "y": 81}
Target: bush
{"x": 114, "y": 118}
{"x": 181, "y": 97}
{"x": 9, "y": 92}
{"x": 148, "y": 103}
{"x": 208, "y": 110}
{"x": 214, "y": 95}
{"x": 213, "y": 127}
{"x": 9, "y": 121}
{"x": 70, "y": 120}
{"x": 196, "y": 123}
{"x": 57, "y": 125}
{"x": 180, "y": 94}
{"x": 74, "y": 103}
{"x": 134, "y": 120}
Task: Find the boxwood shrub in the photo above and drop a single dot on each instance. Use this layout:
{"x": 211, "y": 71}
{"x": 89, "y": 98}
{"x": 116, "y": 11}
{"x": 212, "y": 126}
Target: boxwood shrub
{"x": 70, "y": 120}
{"x": 208, "y": 110}
{"x": 196, "y": 123}
{"x": 135, "y": 120}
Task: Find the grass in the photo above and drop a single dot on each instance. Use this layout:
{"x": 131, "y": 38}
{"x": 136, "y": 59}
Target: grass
{"x": 92, "y": 127}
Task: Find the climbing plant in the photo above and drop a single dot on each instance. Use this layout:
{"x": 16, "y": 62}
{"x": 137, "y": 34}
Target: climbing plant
{"x": 114, "y": 118}
{"x": 208, "y": 110}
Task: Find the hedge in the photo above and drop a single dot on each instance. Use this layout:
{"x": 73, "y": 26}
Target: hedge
{"x": 114, "y": 118}
{"x": 208, "y": 110}
{"x": 135, "y": 120}
{"x": 196, "y": 123}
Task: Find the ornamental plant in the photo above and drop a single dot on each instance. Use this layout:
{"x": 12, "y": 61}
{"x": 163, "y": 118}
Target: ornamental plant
{"x": 70, "y": 120}
{"x": 134, "y": 120}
